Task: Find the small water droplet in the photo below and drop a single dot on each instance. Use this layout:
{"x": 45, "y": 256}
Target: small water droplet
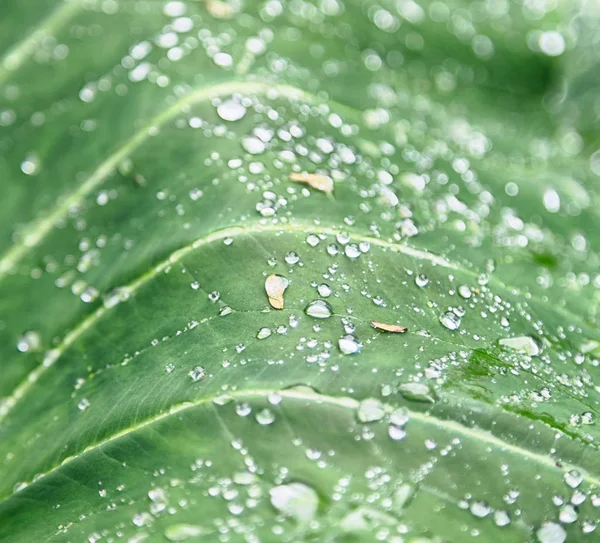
{"x": 265, "y": 417}
{"x": 324, "y": 290}
{"x": 182, "y": 532}
{"x": 198, "y": 373}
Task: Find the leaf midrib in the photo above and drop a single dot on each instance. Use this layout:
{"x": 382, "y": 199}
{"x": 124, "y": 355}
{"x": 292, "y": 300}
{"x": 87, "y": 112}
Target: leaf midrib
{"x": 346, "y": 402}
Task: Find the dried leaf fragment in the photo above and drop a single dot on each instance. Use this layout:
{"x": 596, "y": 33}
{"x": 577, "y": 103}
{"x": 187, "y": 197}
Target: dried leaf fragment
{"x": 392, "y": 328}
{"x": 316, "y": 181}
{"x": 275, "y": 286}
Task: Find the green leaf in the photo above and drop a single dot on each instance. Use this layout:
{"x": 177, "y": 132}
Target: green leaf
{"x": 218, "y": 218}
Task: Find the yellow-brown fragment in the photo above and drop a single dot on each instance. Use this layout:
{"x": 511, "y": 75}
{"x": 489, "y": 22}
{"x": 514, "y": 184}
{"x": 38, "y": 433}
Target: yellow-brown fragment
{"x": 392, "y": 328}
{"x": 316, "y": 181}
{"x": 220, "y": 9}
{"x": 275, "y": 286}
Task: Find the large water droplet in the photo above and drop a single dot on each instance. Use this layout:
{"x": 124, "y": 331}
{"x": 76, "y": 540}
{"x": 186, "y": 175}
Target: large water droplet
{"x": 450, "y": 320}
{"x": 231, "y": 110}
{"x": 551, "y": 532}
{"x": 295, "y": 500}
{"x": 349, "y": 344}
{"x": 370, "y": 410}
{"x": 418, "y": 392}
{"x": 319, "y": 309}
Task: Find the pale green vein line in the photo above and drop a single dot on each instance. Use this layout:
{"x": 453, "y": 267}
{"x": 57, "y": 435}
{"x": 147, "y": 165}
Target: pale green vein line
{"x": 305, "y": 394}
{"x": 52, "y": 356}
{"x": 17, "y": 55}
{"x": 39, "y": 229}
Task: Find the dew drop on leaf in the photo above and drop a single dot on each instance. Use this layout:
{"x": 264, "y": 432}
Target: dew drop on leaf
{"x": 265, "y": 417}
{"x": 198, "y": 373}
{"x": 349, "y": 344}
{"x": 370, "y": 410}
{"x": 295, "y": 500}
{"x": 418, "y": 392}
{"x": 551, "y": 532}
{"x": 231, "y": 110}
{"x": 263, "y": 333}
{"x": 29, "y": 341}
{"x": 319, "y": 309}
{"x": 450, "y": 320}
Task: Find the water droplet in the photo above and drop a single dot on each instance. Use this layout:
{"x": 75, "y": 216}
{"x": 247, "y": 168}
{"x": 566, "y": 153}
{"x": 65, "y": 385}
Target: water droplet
{"x": 324, "y": 290}
{"x": 231, "y": 110}
{"x": 370, "y": 410}
{"x": 551, "y": 532}
{"x": 31, "y": 165}
{"x": 418, "y": 392}
{"x": 421, "y": 280}
{"x": 450, "y": 320}
{"x": 264, "y": 333}
{"x": 265, "y": 417}
{"x": 573, "y": 478}
{"x": 464, "y": 292}
{"x": 501, "y": 518}
{"x": 319, "y": 309}
{"x": 352, "y": 251}
{"x": 567, "y": 514}
{"x": 83, "y": 404}
{"x": 349, "y": 344}
{"x": 312, "y": 240}
{"x": 295, "y": 500}
{"x": 29, "y": 341}
{"x": 292, "y": 258}
{"x": 198, "y": 373}
{"x": 253, "y": 145}
{"x": 480, "y": 509}
{"x": 522, "y": 344}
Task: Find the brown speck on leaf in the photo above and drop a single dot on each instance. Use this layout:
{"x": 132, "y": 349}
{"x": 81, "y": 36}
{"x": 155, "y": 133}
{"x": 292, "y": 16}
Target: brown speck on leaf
{"x": 316, "y": 181}
{"x": 392, "y": 328}
{"x": 275, "y": 286}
